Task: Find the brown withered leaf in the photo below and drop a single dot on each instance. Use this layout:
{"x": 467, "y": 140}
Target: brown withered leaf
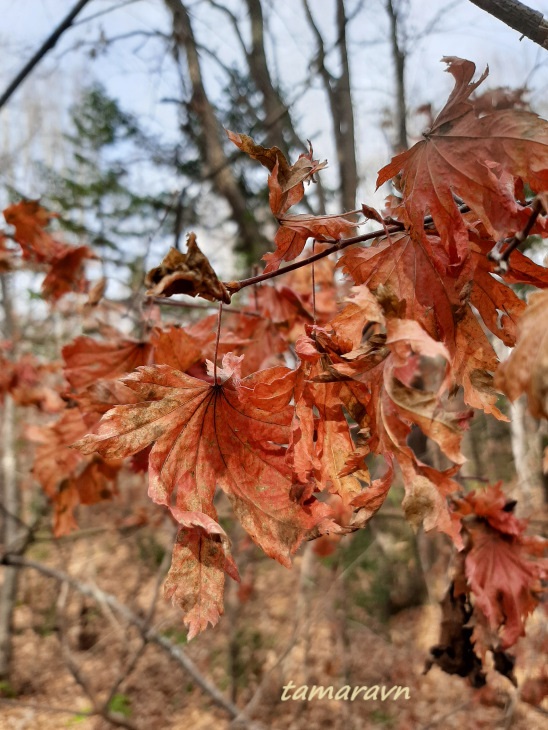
{"x": 189, "y": 273}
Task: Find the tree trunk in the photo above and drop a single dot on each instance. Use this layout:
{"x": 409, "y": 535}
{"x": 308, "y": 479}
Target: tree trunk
{"x": 399, "y": 58}
{"x": 11, "y": 501}
{"x": 216, "y": 163}
{"x": 339, "y": 96}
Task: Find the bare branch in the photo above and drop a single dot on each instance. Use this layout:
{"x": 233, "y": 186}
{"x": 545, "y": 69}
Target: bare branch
{"x": 148, "y": 633}
{"x": 48, "y": 44}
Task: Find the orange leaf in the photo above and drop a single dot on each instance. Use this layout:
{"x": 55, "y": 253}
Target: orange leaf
{"x": 474, "y": 157}
{"x": 29, "y": 220}
{"x": 67, "y": 272}
{"x": 230, "y": 434}
{"x": 195, "y": 581}
{"x": 295, "y": 230}
{"x": 88, "y": 360}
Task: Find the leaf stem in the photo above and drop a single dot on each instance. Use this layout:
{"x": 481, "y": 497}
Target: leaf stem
{"x": 164, "y": 301}
{"x": 217, "y": 344}
{"x": 313, "y": 285}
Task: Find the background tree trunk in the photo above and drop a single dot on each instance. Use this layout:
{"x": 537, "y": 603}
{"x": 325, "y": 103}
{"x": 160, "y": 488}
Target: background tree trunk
{"x": 11, "y": 500}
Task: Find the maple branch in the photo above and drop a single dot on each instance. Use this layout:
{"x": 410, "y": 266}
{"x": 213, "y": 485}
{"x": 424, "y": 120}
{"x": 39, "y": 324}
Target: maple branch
{"x": 148, "y": 633}
{"x": 46, "y": 46}
{"x": 394, "y": 227}
{"x": 236, "y": 286}
{"x": 520, "y": 17}
{"x": 501, "y": 257}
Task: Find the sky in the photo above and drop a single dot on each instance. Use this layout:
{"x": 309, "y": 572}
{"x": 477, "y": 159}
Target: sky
{"x": 137, "y": 70}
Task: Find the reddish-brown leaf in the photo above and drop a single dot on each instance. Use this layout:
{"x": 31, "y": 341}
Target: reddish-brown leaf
{"x": 285, "y": 181}
{"x": 175, "y": 347}
{"x": 67, "y": 477}
{"x": 231, "y": 435}
{"x": 88, "y": 360}
{"x": 474, "y": 157}
{"x": 417, "y": 272}
{"x": 67, "y": 272}
{"x": 29, "y": 220}
{"x": 195, "y": 581}
{"x": 504, "y": 580}
{"x": 295, "y": 230}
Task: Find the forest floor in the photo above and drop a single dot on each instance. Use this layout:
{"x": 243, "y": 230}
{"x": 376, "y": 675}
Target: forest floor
{"x": 317, "y": 624}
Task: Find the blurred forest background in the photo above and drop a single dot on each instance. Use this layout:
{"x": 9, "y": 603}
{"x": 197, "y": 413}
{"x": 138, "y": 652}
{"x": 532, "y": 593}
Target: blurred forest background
{"x": 119, "y": 129}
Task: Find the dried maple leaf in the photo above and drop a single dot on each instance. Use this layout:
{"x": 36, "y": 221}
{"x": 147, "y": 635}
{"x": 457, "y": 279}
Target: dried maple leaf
{"x": 454, "y": 653}
{"x": 189, "y": 273}
{"x": 503, "y": 566}
{"x": 285, "y": 181}
{"x": 387, "y": 410}
{"x": 295, "y": 230}
{"x": 175, "y": 347}
{"x": 503, "y": 579}
{"x": 195, "y": 582}
{"x": 88, "y": 360}
{"x": 29, "y": 220}
{"x": 67, "y": 272}
{"x": 230, "y": 434}
{"x": 526, "y": 370}
{"x": 417, "y": 272}
{"x": 67, "y": 477}
{"x": 476, "y": 158}
{"x": 285, "y": 184}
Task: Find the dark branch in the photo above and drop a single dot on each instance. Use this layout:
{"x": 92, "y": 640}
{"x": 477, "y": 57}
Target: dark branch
{"x": 520, "y": 17}
{"x": 48, "y": 44}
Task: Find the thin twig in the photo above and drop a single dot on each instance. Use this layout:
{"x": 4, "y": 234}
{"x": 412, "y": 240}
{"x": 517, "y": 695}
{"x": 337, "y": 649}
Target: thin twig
{"x": 46, "y": 46}
{"x": 162, "y": 301}
{"x": 149, "y": 633}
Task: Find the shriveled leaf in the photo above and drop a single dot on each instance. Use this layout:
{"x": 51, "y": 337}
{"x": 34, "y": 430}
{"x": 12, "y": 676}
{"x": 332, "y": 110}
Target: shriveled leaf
{"x": 454, "y": 653}
{"x": 189, "y": 273}
{"x": 476, "y": 158}
{"x": 285, "y": 181}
